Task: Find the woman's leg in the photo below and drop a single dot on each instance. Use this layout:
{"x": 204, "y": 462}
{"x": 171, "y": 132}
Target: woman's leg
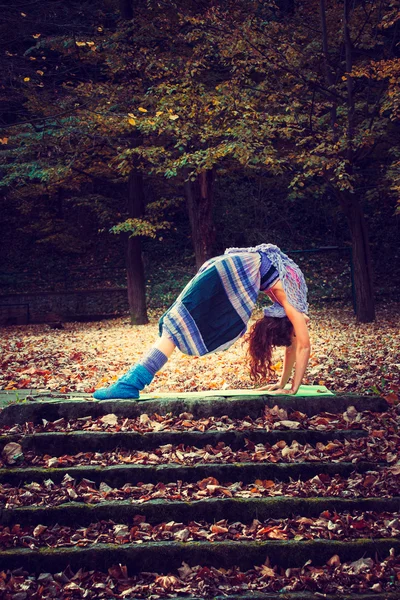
{"x": 141, "y": 374}
{"x": 165, "y": 345}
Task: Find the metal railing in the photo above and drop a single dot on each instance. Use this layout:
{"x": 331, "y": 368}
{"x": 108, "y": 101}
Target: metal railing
{"x": 5, "y": 312}
{"x": 110, "y": 279}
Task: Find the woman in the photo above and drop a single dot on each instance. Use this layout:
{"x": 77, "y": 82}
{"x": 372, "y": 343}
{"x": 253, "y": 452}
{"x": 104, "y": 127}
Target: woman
{"x": 213, "y": 311}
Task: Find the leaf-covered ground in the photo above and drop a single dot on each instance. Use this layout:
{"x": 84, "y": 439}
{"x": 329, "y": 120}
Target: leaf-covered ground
{"x": 362, "y": 575}
{"x": 346, "y": 356}
{"x": 381, "y": 443}
{"x": 328, "y": 526}
{"x": 347, "y": 451}
{"x": 275, "y": 418}
{"x": 377, "y": 483}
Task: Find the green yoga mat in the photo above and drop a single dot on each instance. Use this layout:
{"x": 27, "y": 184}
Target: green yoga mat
{"x": 304, "y": 390}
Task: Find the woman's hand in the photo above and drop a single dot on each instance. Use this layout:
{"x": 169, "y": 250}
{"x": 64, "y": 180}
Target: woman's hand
{"x": 269, "y": 387}
{"x": 275, "y": 389}
{"x": 282, "y": 392}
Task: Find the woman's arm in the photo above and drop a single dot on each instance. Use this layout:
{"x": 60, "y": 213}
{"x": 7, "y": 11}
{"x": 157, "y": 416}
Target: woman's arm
{"x": 288, "y": 363}
{"x": 303, "y": 345}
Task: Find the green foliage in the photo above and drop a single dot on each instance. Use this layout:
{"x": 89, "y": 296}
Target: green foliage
{"x": 141, "y": 227}
{"x": 195, "y": 87}
{"x": 236, "y": 86}
{"x": 153, "y": 225}
{"x": 393, "y": 174}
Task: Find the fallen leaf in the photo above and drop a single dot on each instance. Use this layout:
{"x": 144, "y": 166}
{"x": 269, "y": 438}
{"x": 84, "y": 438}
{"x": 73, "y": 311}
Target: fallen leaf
{"x": 12, "y": 453}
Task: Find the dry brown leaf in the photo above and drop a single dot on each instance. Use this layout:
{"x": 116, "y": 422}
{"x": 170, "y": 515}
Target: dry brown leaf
{"x": 12, "y": 453}
{"x": 110, "y": 419}
{"x": 334, "y": 561}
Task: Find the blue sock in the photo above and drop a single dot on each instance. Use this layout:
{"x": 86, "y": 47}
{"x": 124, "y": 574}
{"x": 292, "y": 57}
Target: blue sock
{"x": 154, "y": 360}
{"x": 138, "y": 376}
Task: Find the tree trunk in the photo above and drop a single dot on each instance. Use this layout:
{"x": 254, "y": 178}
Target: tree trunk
{"x": 134, "y": 262}
{"x": 347, "y": 7}
{"x": 126, "y": 9}
{"x": 363, "y": 282}
{"x": 200, "y": 199}
{"x": 330, "y": 77}
{"x": 362, "y": 265}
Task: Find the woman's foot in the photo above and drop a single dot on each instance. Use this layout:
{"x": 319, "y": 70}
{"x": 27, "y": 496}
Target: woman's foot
{"x": 127, "y": 386}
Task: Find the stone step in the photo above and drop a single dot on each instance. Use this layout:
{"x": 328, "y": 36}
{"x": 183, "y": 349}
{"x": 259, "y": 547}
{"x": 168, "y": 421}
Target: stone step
{"x": 257, "y": 595}
{"x": 300, "y": 596}
{"x": 118, "y": 475}
{"x": 210, "y": 509}
{"x": 204, "y": 406}
{"x": 167, "y": 556}
{"x": 72, "y": 442}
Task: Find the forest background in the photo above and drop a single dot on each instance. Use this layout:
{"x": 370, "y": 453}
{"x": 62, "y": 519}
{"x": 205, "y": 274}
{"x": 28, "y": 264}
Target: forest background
{"x": 140, "y": 138}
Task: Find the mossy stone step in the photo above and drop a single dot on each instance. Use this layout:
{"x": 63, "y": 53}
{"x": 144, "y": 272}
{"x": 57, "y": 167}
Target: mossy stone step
{"x": 299, "y": 596}
{"x": 118, "y": 475}
{"x": 166, "y": 556}
{"x": 210, "y": 510}
{"x": 71, "y": 442}
{"x": 203, "y": 406}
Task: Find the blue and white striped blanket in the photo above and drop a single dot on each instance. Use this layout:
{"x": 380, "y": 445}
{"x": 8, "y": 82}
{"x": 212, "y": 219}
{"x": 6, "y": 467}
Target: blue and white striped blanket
{"x": 290, "y": 274}
{"x": 213, "y": 310}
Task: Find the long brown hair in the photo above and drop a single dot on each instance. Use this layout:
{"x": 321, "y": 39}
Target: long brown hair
{"x": 264, "y": 335}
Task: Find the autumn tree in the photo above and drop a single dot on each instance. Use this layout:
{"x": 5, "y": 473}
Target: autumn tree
{"x": 324, "y": 80}
{"x": 192, "y": 89}
{"x": 193, "y": 121}
{"x": 67, "y": 121}
{"x": 300, "y": 89}
{"x": 116, "y": 72}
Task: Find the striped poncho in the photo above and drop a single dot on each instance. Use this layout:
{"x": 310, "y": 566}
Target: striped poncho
{"x": 290, "y": 274}
{"x": 213, "y": 310}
